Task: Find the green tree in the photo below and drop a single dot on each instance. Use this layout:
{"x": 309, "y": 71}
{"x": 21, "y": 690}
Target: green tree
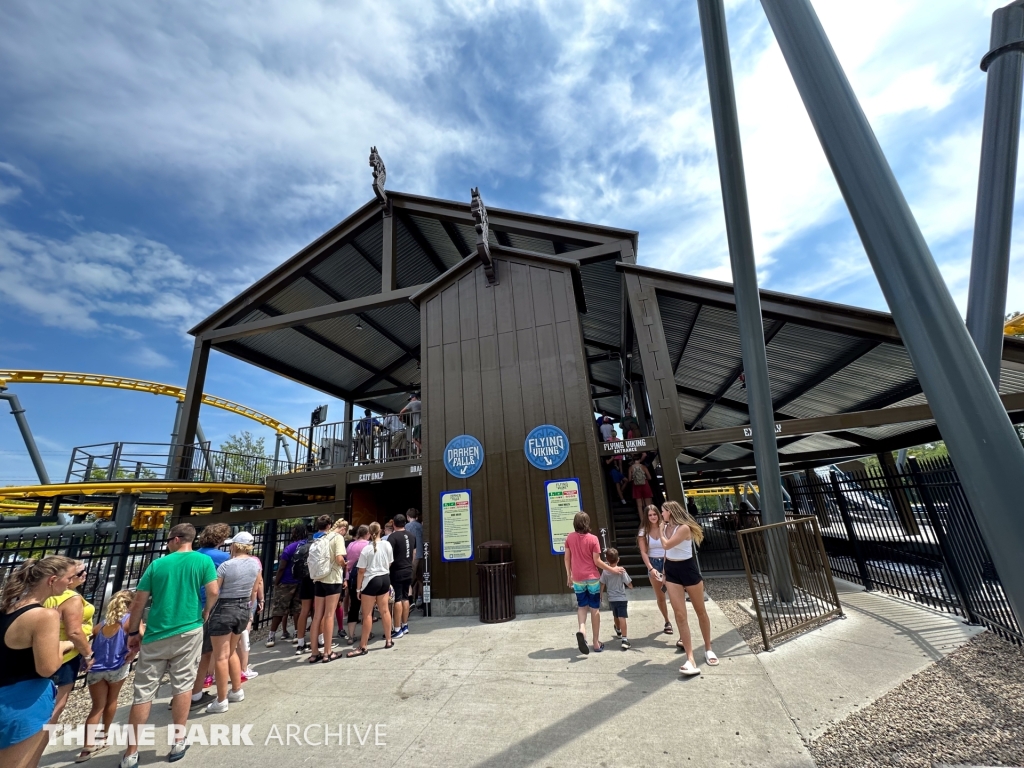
{"x": 242, "y": 458}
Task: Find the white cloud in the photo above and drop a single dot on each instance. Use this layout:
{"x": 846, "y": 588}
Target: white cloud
{"x": 150, "y": 358}
{"x": 258, "y": 116}
{"x": 95, "y": 281}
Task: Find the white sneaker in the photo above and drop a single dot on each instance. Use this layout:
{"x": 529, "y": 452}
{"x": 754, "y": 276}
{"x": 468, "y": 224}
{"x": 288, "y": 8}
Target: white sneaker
{"x": 251, "y": 673}
{"x": 235, "y": 696}
{"x": 270, "y": 642}
{"x": 130, "y": 761}
{"x": 217, "y": 707}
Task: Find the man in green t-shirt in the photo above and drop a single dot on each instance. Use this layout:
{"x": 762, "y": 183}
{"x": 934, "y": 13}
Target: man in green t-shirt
{"x": 174, "y": 632}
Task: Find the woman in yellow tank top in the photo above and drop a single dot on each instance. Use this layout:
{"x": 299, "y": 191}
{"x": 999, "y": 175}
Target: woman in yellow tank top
{"x": 75, "y": 625}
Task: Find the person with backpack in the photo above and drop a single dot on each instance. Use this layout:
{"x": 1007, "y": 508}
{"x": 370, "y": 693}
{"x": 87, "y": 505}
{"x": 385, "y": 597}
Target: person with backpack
{"x": 285, "y": 601}
{"x": 640, "y": 477}
{"x": 326, "y": 565}
{"x": 300, "y": 570}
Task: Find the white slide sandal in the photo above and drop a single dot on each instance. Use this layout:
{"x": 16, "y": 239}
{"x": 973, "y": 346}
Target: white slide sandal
{"x": 689, "y": 669}
{"x": 712, "y": 659}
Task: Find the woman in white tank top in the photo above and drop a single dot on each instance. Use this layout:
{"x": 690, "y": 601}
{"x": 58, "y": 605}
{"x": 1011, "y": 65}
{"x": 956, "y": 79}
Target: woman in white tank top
{"x": 654, "y": 558}
{"x": 677, "y": 535}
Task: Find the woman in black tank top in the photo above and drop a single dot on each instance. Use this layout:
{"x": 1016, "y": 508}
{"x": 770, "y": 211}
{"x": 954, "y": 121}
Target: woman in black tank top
{"x": 30, "y": 651}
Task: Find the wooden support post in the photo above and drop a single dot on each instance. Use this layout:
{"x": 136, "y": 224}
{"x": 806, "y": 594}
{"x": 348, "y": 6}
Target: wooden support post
{"x": 659, "y": 379}
{"x": 388, "y": 272}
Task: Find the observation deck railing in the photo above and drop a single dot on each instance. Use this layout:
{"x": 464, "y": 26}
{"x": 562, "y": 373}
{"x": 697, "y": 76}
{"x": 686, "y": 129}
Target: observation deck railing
{"x": 106, "y": 462}
{"x": 369, "y": 440}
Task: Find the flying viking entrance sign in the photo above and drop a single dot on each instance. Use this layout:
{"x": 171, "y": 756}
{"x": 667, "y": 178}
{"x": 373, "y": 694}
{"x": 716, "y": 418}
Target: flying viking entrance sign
{"x": 546, "y": 447}
{"x": 463, "y": 456}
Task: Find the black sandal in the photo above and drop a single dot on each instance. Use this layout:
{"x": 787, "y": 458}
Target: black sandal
{"x": 357, "y": 652}
{"x": 333, "y": 656}
{"x": 315, "y": 658}
{"x": 390, "y": 644}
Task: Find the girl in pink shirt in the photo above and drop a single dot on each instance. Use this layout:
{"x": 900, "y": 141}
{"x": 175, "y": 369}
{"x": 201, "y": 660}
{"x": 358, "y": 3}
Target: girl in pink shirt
{"x": 583, "y": 566}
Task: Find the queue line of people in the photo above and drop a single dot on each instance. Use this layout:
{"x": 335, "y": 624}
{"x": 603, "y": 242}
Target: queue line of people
{"x": 332, "y": 579}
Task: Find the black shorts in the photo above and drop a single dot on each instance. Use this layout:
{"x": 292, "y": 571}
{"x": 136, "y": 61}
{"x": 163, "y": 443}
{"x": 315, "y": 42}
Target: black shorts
{"x": 402, "y": 582}
{"x": 378, "y": 585}
{"x": 306, "y": 590}
{"x": 321, "y": 589}
{"x": 229, "y": 617}
{"x": 684, "y": 572}
{"x": 620, "y": 608}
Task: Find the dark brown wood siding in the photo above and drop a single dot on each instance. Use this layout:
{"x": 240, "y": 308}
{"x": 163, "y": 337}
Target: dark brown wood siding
{"x": 500, "y": 361}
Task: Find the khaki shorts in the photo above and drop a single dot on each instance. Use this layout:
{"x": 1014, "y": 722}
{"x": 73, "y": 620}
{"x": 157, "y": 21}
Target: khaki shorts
{"x": 177, "y": 655}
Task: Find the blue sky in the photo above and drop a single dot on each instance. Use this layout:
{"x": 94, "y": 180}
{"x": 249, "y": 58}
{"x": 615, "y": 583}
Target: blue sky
{"x": 157, "y": 158}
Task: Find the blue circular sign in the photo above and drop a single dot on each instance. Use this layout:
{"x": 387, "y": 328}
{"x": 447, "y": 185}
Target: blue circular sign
{"x": 546, "y": 446}
{"x": 463, "y": 456}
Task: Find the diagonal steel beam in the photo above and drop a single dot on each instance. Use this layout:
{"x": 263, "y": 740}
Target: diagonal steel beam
{"x": 734, "y": 375}
{"x": 826, "y": 373}
{"x": 337, "y": 349}
{"x": 421, "y": 241}
{"x": 335, "y": 296}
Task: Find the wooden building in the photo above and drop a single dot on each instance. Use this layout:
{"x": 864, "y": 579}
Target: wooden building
{"x": 506, "y": 323}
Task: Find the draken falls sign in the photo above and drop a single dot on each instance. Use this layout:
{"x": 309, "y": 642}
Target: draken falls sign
{"x": 546, "y": 446}
{"x": 463, "y": 456}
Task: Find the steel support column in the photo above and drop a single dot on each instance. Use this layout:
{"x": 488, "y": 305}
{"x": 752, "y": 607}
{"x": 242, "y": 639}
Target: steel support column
{"x": 193, "y": 401}
{"x": 993, "y": 218}
{"x": 981, "y": 440}
{"x": 741, "y": 255}
{"x": 26, "y": 434}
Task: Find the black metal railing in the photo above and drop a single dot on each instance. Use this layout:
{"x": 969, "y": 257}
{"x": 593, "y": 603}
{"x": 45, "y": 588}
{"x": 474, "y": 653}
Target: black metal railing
{"x": 160, "y": 461}
{"x": 115, "y": 563}
{"x": 910, "y": 532}
{"x": 370, "y": 440}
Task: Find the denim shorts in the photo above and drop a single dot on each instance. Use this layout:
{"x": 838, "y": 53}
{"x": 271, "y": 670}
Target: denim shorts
{"x": 108, "y": 676}
{"x": 588, "y": 593}
{"x": 67, "y": 672}
{"x": 230, "y": 617}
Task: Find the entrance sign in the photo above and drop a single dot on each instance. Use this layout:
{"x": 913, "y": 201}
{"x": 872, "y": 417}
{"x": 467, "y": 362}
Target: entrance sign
{"x": 546, "y": 447}
{"x": 563, "y": 497}
{"x": 463, "y": 456}
{"x": 456, "y": 526}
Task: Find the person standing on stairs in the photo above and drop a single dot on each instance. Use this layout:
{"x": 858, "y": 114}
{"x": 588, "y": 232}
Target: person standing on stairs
{"x": 653, "y": 554}
{"x": 640, "y": 477}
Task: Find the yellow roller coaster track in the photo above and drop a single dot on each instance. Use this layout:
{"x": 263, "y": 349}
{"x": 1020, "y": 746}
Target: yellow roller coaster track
{"x": 118, "y": 487}
{"x": 141, "y": 385}
{"x": 1014, "y": 326}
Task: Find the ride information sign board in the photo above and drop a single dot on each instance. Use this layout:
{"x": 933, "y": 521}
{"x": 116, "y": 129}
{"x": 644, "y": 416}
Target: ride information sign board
{"x": 456, "y": 526}
{"x": 563, "y": 498}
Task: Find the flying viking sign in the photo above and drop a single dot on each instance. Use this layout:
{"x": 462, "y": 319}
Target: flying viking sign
{"x": 546, "y": 447}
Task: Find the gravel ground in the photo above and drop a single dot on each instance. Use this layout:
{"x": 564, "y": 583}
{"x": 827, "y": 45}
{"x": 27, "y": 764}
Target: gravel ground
{"x": 728, "y": 593}
{"x": 967, "y": 709}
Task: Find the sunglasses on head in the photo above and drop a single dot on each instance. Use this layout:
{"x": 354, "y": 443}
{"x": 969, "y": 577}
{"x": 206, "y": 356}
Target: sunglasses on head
{"x": 82, "y": 572}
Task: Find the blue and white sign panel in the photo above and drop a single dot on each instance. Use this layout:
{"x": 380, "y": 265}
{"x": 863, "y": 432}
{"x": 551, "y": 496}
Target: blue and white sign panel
{"x": 463, "y": 456}
{"x": 546, "y": 447}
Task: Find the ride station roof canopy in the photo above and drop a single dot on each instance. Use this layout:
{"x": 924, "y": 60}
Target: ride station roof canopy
{"x": 339, "y": 316}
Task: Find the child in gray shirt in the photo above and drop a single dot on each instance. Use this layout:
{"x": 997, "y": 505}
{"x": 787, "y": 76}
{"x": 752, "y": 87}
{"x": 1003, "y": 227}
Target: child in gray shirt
{"x": 615, "y": 585}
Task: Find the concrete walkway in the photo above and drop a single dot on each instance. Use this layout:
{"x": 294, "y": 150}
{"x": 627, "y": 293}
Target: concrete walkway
{"x": 459, "y": 693}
